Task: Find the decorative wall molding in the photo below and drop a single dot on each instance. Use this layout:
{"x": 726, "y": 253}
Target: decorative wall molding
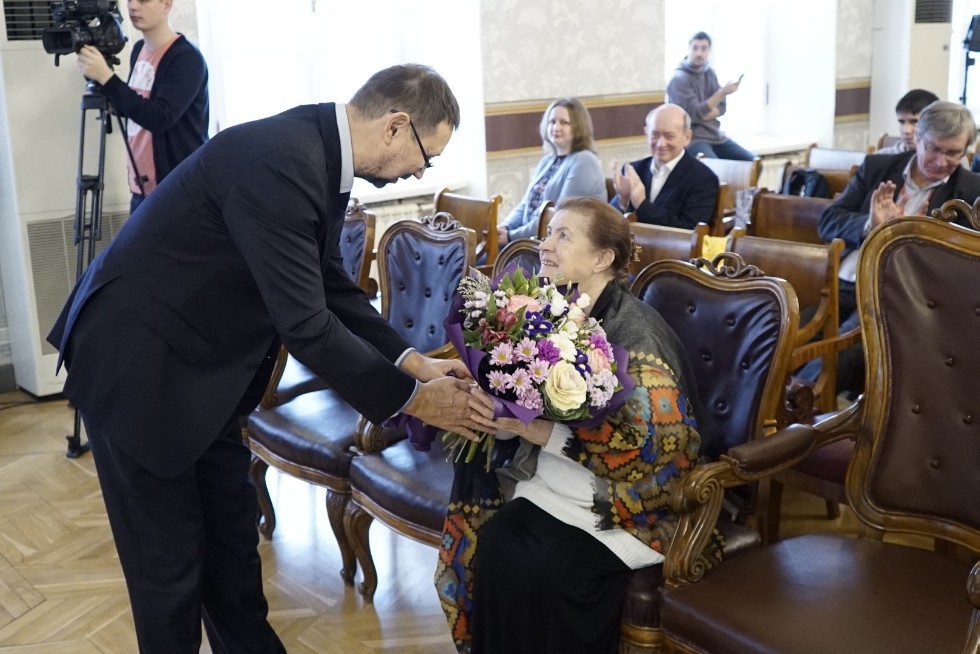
{"x": 512, "y": 127}
{"x": 853, "y": 99}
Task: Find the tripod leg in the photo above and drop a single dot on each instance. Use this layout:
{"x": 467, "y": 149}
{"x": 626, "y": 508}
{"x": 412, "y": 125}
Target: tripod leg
{"x": 75, "y": 447}
{"x": 88, "y": 222}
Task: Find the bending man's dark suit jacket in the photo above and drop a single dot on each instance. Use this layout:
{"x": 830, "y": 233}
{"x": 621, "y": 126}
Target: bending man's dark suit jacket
{"x": 171, "y": 330}
{"x": 846, "y": 217}
{"x": 686, "y": 199}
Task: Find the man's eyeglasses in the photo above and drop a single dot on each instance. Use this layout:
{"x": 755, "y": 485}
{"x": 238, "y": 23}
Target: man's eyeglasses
{"x": 428, "y": 164}
{"x": 425, "y": 156}
{"x": 951, "y": 155}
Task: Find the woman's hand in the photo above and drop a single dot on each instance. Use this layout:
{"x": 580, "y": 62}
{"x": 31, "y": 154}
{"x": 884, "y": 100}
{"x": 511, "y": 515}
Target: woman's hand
{"x": 537, "y": 431}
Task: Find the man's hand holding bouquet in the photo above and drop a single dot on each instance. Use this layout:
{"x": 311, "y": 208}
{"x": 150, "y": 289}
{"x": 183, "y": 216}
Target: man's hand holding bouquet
{"x": 532, "y": 347}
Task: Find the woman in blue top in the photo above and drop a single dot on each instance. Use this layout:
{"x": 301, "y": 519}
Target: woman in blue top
{"x": 569, "y": 168}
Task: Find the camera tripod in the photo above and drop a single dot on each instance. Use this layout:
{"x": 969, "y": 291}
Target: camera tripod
{"x": 88, "y": 209}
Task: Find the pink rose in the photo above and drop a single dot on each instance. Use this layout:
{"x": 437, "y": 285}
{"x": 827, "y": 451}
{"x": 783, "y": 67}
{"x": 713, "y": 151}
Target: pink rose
{"x": 598, "y": 361}
{"x": 515, "y": 302}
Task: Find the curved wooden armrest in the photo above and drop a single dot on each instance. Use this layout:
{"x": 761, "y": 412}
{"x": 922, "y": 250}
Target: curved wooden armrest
{"x": 973, "y": 593}
{"x": 446, "y": 351}
{"x": 699, "y": 499}
{"x": 369, "y": 438}
{"x": 270, "y": 397}
{"x": 825, "y": 348}
{"x": 973, "y": 586}
{"x": 815, "y": 324}
{"x": 841, "y": 424}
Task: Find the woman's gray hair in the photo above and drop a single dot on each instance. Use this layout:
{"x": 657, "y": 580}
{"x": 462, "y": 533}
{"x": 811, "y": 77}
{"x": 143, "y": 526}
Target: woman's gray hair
{"x": 946, "y": 120}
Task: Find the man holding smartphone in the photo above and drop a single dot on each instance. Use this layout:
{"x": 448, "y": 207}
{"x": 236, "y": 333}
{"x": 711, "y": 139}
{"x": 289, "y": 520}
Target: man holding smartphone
{"x": 695, "y": 87}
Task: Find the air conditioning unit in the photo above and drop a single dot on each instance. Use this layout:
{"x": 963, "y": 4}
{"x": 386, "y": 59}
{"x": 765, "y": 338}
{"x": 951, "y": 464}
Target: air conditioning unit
{"x": 40, "y": 122}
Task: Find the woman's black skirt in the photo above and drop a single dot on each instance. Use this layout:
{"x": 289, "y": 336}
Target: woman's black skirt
{"x": 544, "y": 587}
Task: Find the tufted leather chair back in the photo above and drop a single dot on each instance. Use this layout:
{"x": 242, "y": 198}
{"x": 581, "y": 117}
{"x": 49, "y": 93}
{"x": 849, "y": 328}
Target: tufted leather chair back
{"x": 420, "y": 264}
{"x": 524, "y": 251}
{"x": 357, "y": 242}
{"x": 738, "y": 331}
{"x": 917, "y": 460}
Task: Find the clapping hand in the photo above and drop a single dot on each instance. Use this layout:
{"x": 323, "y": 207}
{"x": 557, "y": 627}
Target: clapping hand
{"x": 883, "y": 204}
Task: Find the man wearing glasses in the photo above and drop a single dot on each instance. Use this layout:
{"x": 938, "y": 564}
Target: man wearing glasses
{"x": 170, "y": 335}
{"x": 888, "y": 186}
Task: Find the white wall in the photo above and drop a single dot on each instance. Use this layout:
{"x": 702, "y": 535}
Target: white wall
{"x": 263, "y": 62}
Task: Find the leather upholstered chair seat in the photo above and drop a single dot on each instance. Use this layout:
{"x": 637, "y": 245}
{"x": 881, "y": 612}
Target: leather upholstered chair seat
{"x": 911, "y": 582}
{"x": 304, "y": 428}
{"x": 408, "y": 489}
{"x": 867, "y": 594}
{"x": 738, "y": 328}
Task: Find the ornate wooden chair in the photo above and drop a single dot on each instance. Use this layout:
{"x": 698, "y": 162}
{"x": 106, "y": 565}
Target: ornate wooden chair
{"x": 787, "y": 217}
{"x": 524, "y": 251}
{"x": 885, "y": 141}
{"x": 393, "y": 482}
{"x": 832, "y": 158}
{"x": 913, "y": 479}
{"x": 657, "y": 243}
{"x": 738, "y": 328}
{"x": 478, "y": 214}
{"x": 811, "y": 270}
{"x": 303, "y": 427}
{"x": 545, "y": 213}
{"x": 357, "y": 245}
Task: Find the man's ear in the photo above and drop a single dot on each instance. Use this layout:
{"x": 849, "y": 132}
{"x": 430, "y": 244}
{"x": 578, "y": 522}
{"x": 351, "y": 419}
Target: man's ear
{"x": 395, "y": 122}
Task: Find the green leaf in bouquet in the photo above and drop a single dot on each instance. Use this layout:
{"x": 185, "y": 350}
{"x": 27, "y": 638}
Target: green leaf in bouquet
{"x": 579, "y": 413}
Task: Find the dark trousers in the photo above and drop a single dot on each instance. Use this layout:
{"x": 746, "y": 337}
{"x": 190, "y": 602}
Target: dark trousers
{"x": 188, "y": 548}
{"x": 135, "y": 201}
{"x": 544, "y": 587}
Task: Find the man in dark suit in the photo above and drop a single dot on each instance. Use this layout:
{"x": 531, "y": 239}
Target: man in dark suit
{"x": 888, "y": 186}
{"x": 670, "y": 187}
{"x": 170, "y": 335}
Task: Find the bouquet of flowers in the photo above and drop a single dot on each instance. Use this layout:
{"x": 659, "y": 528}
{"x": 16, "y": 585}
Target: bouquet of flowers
{"x": 532, "y": 347}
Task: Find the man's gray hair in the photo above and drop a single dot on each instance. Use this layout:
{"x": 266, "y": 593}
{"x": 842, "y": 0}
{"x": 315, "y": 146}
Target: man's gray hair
{"x": 946, "y": 120}
{"x": 417, "y": 90}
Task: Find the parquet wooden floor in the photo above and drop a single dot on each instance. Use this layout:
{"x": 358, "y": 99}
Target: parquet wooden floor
{"x": 62, "y": 591}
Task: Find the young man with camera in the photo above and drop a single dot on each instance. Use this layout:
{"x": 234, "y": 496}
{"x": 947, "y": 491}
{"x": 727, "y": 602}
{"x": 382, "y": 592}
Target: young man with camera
{"x": 165, "y": 101}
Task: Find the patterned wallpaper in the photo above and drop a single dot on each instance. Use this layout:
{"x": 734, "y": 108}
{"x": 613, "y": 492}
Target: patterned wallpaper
{"x": 553, "y": 48}
{"x": 855, "y": 19}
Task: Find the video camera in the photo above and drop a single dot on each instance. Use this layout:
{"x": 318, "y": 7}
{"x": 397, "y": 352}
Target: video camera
{"x": 76, "y": 23}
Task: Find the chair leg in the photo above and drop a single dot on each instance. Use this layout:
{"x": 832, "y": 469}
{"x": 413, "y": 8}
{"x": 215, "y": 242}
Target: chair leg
{"x": 266, "y": 518}
{"x": 336, "y": 503}
{"x": 773, "y": 511}
{"x": 357, "y": 523}
{"x": 833, "y": 510}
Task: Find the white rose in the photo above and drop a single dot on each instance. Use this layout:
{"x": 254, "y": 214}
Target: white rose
{"x": 564, "y": 345}
{"x": 565, "y": 388}
{"x": 558, "y": 305}
{"x": 576, "y": 314}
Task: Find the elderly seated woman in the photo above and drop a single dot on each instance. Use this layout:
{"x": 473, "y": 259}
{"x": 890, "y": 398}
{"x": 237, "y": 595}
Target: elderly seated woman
{"x": 564, "y": 522}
